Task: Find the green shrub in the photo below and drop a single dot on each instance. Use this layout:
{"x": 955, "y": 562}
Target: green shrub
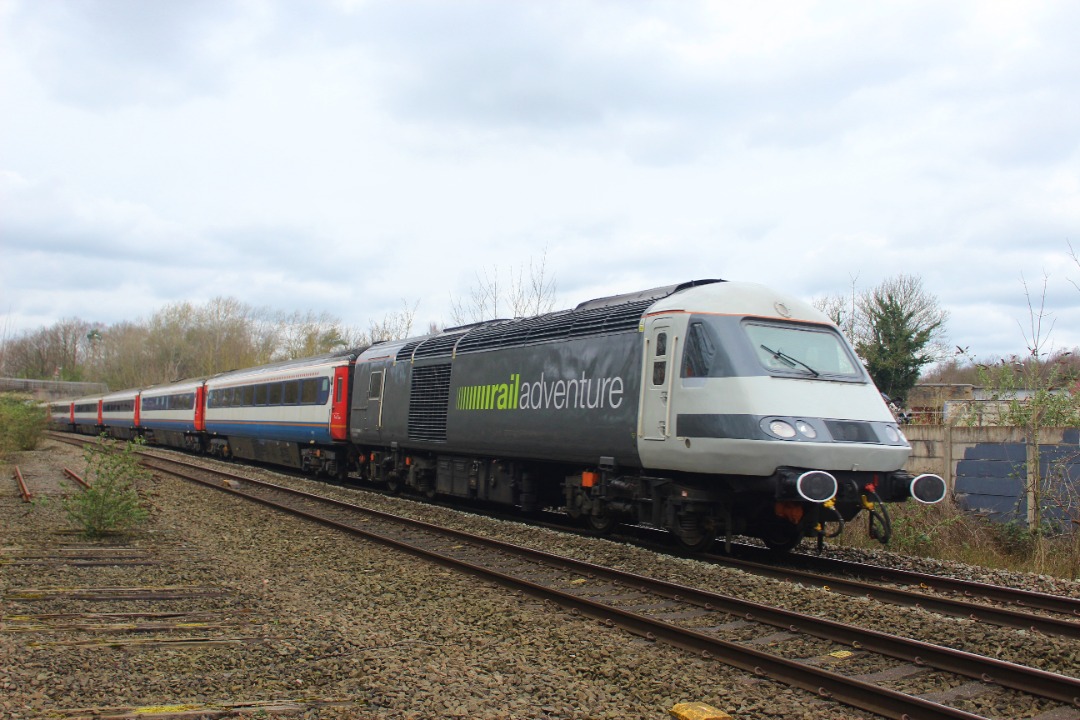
{"x": 947, "y": 532}
{"x": 111, "y": 504}
{"x": 22, "y": 423}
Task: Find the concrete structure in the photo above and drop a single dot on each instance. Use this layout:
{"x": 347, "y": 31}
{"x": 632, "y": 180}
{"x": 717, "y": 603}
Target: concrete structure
{"x": 47, "y": 390}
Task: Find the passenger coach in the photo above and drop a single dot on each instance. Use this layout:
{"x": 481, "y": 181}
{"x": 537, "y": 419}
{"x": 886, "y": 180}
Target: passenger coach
{"x": 86, "y": 415}
{"x": 173, "y": 415}
{"x": 120, "y": 414}
{"x": 61, "y": 415}
{"x": 292, "y": 413}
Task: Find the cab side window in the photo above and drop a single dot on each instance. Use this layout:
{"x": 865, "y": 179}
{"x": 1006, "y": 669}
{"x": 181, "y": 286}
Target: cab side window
{"x": 659, "y": 373}
{"x": 375, "y": 385}
{"x": 699, "y": 353}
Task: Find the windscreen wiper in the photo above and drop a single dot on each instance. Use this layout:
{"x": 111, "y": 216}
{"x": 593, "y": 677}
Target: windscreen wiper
{"x": 789, "y": 361}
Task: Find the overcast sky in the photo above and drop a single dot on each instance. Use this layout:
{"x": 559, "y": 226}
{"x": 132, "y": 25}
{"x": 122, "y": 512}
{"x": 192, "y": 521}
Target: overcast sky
{"x": 350, "y": 155}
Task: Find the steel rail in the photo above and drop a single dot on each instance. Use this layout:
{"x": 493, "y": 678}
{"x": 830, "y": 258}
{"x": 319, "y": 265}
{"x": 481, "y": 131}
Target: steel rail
{"x": 968, "y": 588}
{"x": 845, "y": 689}
{"x": 947, "y": 606}
{"x": 23, "y": 490}
{"x": 76, "y": 478}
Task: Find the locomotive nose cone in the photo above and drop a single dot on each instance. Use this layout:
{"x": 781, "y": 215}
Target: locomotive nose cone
{"x": 816, "y": 486}
{"x": 928, "y": 489}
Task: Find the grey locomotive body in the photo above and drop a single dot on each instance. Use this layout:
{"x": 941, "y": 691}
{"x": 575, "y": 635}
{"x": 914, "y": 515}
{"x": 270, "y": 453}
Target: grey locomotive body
{"x": 707, "y": 408}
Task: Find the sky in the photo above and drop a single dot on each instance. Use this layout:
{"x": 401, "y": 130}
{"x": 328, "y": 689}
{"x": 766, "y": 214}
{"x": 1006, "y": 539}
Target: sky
{"x": 359, "y": 156}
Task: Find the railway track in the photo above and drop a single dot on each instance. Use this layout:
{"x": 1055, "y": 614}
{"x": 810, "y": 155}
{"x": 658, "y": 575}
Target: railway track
{"x": 833, "y": 660}
{"x": 980, "y": 602}
{"x": 958, "y": 597}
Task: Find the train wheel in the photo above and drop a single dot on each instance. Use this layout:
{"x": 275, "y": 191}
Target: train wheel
{"x": 393, "y": 483}
{"x": 694, "y": 542}
{"x": 694, "y": 533}
{"x": 780, "y": 536}
{"x": 600, "y": 524}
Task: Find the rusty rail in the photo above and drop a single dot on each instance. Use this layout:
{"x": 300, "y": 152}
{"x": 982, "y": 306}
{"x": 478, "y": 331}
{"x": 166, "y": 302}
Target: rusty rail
{"x": 26, "y": 496}
{"x": 71, "y": 474}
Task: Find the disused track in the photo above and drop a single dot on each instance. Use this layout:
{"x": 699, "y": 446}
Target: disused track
{"x": 682, "y": 616}
{"x": 23, "y": 490}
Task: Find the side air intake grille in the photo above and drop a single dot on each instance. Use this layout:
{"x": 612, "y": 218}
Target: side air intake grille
{"x": 428, "y": 400}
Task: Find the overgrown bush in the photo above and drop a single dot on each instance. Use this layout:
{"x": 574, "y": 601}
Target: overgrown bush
{"x": 111, "y": 504}
{"x": 946, "y": 531}
{"x": 22, "y": 423}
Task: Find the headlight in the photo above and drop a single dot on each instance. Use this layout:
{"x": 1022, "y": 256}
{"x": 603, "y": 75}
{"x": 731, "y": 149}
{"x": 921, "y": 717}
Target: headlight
{"x": 806, "y": 429}
{"x": 782, "y": 429}
{"x": 892, "y": 434}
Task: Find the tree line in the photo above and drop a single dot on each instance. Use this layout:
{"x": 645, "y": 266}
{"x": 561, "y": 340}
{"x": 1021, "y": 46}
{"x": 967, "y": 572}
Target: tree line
{"x": 898, "y": 329}
{"x": 188, "y": 340}
{"x": 184, "y": 340}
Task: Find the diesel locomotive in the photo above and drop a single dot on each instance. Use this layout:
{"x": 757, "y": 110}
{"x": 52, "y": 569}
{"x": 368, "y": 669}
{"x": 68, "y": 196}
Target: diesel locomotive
{"x": 708, "y": 409}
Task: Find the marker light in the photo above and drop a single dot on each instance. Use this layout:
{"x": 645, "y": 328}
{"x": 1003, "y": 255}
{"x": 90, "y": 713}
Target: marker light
{"x": 781, "y": 429}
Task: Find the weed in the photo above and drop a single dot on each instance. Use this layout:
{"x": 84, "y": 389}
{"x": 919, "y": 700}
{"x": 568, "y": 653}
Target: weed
{"x": 111, "y": 504}
{"x": 22, "y": 423}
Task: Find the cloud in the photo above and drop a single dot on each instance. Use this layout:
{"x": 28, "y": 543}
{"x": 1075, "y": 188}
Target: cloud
{"x": 344, "y": 156}
{"x": 106, "y": 54}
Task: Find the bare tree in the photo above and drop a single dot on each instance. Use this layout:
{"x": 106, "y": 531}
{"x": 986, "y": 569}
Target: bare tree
{"x": 307, "y": 334}
{"x": 534, "y": 294}
{"x": 523, "y": 294}
{"x": 393, "y": 326}
{"x": 843, "y": 310}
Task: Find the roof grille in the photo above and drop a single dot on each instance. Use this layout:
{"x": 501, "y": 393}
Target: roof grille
{"x": 428, "y": 400}
{"x": 437, "y": 346}
{"x": 562, "y": 325}
{"x": 406, "y": 350}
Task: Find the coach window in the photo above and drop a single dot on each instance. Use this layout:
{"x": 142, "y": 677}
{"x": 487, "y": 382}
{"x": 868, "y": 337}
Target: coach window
{"x": 292, "y": 392}
{"x": 249, "y": 395}
{"x": 374, "y": 390}
{"x": 309, "y": 391}
{"x": 324, "y": 391}
{"x": 273, "y": 396}
{"x": 260, "y": 394}
{"x": 659, "y": 370}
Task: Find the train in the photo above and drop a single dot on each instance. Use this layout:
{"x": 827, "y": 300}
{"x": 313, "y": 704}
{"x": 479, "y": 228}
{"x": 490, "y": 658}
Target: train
{"x": 707, "y": 408}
